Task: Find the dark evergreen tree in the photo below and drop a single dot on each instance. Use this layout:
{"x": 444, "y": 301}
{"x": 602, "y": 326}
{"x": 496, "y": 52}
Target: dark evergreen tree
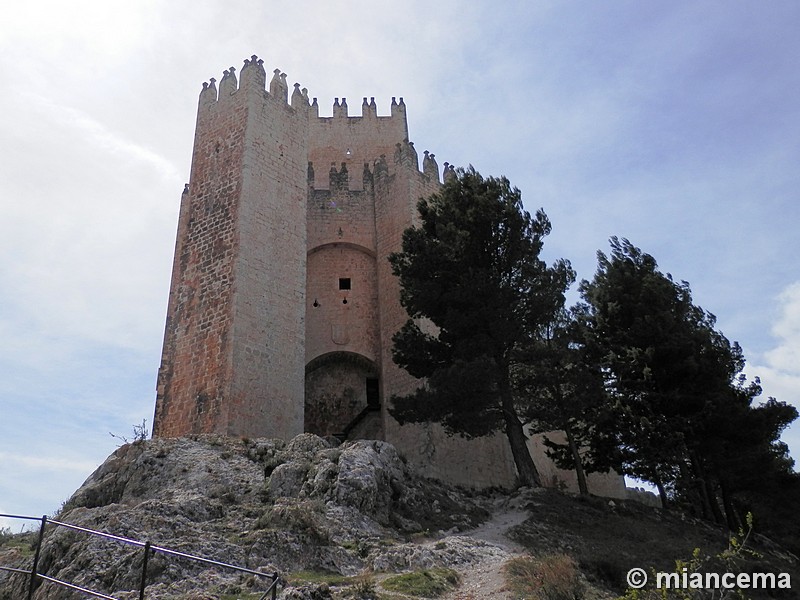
{"x": 565, "y": 394}
{"x": 633, "y": 329}
{"x": 477, "y": 291}
{"x": 679, "y": 409}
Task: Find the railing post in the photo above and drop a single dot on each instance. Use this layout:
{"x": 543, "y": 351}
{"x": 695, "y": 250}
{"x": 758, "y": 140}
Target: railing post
{"x": 36, "y": 558}
{"x": 275, "y": 586}
{"x": 144, "y": 570}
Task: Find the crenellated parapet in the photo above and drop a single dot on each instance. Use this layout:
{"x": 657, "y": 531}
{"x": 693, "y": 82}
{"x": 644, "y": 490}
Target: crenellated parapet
{"x": 299, "y": 97}
{"x": 253, "y": 73}
{"x": 339, "y": 109}
{"x": 405, "y": 153}
{"x": 368, "y": 108}
{"x": 278, "y": 87}
{"x": 429, "y": 166}
{"x": 449, "y": 172}
{"x": 354, "y": 139}
{"x": 398, "y": 108}
{"x": 252, "y": 79}
{"x": 367, "y": 179}
{"x": 209, "y": 94}
{"x": 377, "y": 170}
{"x": 338, "y": 180}
{"x": 228, "y": 85}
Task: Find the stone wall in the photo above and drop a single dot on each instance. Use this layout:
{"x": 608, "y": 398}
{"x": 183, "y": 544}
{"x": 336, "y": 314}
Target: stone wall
{"x": 342, "y": 307}
{"x": 609, "y": 485}
{"x": 336, "y": 392}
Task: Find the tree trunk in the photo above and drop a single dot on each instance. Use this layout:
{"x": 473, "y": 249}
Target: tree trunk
{"x": 697, "y": 491}
{"x": 712, "y": 498}
{"x": 576, "y": 458}
{"x": 711, "y": 508}
{"x": 733, "y": 520}
{"x": 662, "y": 493}
{"x": 526, "y": 470}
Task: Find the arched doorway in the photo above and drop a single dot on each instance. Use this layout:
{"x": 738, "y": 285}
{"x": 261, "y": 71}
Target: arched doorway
{"x": 342, "y": 396}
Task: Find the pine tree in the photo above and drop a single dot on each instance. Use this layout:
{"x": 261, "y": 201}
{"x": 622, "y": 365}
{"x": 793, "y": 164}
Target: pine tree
{"x": 476, "y": 290}
{"x": 681, "y": 413}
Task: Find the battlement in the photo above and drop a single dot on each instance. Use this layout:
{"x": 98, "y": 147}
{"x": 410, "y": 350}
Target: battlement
{"x": 369, "y": 110}
{"x": 338, "y": 139}
{"x": 405, "y": 156}
{"x": 253, "y": 78}
{"x": 355, "y": 140}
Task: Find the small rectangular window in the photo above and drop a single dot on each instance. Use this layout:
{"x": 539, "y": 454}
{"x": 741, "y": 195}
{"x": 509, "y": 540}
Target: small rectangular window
{"x": 344, "y": 283}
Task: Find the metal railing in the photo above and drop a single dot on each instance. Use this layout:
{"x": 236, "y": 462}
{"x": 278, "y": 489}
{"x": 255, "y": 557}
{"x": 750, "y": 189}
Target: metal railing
{"x": 147, "y": 548}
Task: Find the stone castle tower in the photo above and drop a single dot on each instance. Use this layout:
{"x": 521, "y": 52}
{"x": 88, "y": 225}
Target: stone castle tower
{"x": 283, "y": 305}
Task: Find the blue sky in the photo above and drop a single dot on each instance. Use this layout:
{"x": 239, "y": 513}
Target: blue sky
{"x": 674, "y": 124}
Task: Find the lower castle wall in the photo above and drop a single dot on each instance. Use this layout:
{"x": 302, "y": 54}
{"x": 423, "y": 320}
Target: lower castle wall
{"x": 477, "y": 463}
{"x": 608, "y": 485}
{"x": 487, "y": 462}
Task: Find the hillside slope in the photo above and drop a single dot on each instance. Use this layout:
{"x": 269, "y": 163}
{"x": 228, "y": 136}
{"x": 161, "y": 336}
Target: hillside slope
{"x": 334, "y": 522}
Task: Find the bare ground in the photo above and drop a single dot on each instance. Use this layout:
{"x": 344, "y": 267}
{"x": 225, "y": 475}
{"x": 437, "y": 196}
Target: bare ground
{"x": 486, "y": 580}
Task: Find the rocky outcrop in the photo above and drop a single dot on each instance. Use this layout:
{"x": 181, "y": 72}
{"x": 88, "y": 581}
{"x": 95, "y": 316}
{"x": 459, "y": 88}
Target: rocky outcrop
{"x": 264, "y": 504}
{"x": 350, "y": 514}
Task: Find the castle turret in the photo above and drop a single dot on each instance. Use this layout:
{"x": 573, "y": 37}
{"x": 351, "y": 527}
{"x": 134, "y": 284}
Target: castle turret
{"x": 233, "y": 359}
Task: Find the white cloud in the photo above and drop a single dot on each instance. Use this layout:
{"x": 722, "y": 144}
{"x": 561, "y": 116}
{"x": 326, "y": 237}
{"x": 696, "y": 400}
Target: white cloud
{"x": 46, "y": 463}
{"x": 779, "y": 367}
{"x": 90, "y": 33}
{"x": 785, "y": 357}
{"x": 90, "y": 227}
{"x": 83, "y": 126}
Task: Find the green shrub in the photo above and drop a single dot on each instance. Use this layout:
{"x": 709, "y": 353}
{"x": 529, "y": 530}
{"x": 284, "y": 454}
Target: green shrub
{"x": 731, "y": 560}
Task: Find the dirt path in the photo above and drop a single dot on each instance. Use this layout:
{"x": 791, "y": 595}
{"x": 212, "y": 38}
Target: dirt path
{"x": 486, "y": 580}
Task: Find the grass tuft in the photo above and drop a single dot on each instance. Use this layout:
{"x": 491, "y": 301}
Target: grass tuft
{"x": 430, "y": 583}
{"x": 553, "y": 577}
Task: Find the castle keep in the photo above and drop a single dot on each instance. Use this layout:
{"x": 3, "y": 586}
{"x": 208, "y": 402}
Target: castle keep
{"x": 283, "y": 305}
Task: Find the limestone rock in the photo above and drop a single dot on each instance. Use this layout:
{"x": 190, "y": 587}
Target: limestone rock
{"x": 264, "y": 504}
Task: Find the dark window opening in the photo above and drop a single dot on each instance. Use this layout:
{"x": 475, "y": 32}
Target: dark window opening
{"x": 373, "y": 394}
{"x": 344, "y": 283}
